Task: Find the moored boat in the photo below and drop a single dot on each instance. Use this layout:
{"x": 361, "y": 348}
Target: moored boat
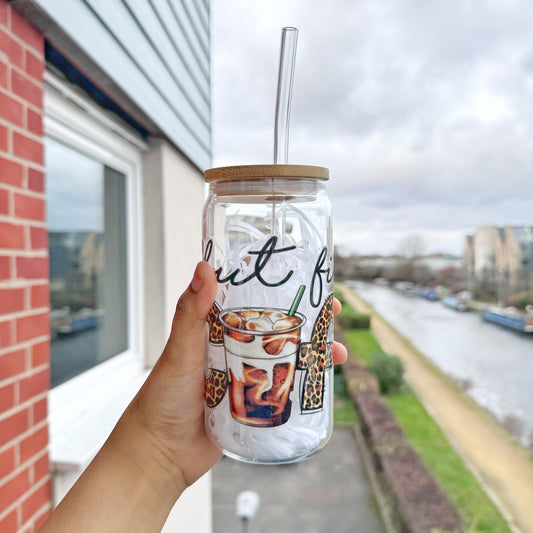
{"x": 405, "y": 287}
{"x": 427, "y": 293}
{"x": 510, "y": 317}
{"x": 453, "y": 302}
{"x": 84, "y": 319}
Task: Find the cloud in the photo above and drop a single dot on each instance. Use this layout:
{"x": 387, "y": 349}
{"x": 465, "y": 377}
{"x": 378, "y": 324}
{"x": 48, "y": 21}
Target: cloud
{"x": 74, "y": 190}
{"x": 422, "y": 111}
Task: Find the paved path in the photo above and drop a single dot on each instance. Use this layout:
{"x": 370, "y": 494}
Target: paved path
{"x": 329, "y": 492}
{"x": 504, "y": 468}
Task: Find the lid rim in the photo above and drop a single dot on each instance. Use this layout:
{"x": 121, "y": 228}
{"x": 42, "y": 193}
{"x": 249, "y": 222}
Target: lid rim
{"x": 266, "y": 171}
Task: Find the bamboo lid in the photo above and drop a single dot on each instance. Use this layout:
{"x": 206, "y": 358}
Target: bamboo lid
{"x": 266, "y": 171}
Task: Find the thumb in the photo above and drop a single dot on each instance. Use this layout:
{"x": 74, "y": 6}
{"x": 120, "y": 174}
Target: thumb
{"x": 188, "y": 325}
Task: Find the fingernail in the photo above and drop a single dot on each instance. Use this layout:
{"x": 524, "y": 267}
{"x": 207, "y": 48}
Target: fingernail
{"x": 197, "y": 280}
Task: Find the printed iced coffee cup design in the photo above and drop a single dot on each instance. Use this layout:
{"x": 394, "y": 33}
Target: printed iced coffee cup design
{"x": 261, "y": 345}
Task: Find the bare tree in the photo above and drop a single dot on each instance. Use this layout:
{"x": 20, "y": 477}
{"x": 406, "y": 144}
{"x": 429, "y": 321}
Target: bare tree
{"x": 412, "y": 246}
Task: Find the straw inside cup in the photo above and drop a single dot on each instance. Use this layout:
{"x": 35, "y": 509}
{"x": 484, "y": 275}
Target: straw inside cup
{"x": 297, "y": 300}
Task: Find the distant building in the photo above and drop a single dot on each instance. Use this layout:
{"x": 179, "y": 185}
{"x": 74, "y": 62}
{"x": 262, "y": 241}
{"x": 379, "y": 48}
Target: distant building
{"x": 500, "y": 256}
{"x": 519, "y": 256}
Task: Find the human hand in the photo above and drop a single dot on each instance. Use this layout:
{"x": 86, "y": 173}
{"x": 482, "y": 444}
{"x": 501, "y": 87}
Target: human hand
{"x": 159, "y": 446}
{"x": 170, "y": 406}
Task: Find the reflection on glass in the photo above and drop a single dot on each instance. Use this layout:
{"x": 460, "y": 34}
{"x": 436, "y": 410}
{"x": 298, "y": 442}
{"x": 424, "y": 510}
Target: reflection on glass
{"x": 87, "y": 246}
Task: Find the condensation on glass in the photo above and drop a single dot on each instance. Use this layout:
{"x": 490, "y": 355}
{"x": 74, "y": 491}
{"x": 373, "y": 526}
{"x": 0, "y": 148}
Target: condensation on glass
{"x": 269, "y": 365}
{"x": 86, "y": 222}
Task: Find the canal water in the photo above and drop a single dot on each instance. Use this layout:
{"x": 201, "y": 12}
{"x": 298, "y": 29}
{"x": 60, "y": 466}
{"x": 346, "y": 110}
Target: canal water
{"x": 493, "y": 364}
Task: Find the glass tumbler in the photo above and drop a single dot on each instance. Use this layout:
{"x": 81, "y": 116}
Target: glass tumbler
{"x": 268, "y": 364}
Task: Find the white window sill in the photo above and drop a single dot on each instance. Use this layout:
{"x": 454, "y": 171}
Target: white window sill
{"x": 84, "y": 410}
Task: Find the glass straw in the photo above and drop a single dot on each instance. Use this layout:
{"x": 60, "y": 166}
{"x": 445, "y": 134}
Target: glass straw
{"x": 287, "y": 60}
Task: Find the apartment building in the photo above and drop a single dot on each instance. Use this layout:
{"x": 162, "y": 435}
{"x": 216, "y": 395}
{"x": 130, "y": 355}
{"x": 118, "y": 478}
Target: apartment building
{"x": 501, "y": 255}
{"x": 105, "y": 131}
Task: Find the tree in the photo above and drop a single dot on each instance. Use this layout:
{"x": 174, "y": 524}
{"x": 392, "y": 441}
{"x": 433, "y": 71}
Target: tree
{"x": 410, "y": 249}
{"x": 412, "y": 246}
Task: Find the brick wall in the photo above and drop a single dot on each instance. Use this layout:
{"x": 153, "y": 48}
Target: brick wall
{"x": 24, "y": 308}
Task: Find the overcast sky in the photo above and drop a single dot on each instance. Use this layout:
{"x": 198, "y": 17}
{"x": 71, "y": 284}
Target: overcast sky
{"x": 423, "y": 111}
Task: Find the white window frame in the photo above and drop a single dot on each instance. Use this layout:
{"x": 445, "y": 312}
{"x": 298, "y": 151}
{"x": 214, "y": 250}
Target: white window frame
{"x": 83, "y": 410}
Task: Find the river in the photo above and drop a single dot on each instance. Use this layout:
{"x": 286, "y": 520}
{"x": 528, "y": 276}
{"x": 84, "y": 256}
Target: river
{"x": 493, "y": 364}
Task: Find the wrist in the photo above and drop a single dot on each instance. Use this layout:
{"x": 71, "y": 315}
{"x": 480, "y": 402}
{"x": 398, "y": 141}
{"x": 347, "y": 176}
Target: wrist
{"x": 146, "y": 456}
{"x": 128, "y": 487}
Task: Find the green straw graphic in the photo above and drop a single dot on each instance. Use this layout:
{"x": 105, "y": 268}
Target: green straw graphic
{"x": 297, "y": 300}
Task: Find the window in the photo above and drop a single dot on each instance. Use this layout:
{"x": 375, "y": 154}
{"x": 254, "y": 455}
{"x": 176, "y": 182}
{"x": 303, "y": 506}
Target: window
{"x": 86, "y": 222}
{"x": 94, "y": 217}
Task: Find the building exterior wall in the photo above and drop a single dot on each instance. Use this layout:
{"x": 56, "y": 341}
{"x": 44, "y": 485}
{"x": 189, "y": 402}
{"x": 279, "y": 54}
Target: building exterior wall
{"x": 484, "y": 253}
{"x": 502, "y": 256}
{"x": 518, "y": 256}
{"x": 153, "y": 58}
{"x": 512, "y": 257}
{"x": 24, "y": 308}
{"x": 173, "y": 195}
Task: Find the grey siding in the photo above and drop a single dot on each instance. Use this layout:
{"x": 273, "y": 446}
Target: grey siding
{"x": 157, "y": 52}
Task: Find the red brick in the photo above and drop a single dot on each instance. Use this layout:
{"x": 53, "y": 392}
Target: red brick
{"x": 34, "y": 66}
{"x": 6, "y": 333}
{"x": 34, "y": 385}
{"x": 4, "y": 72}
{"x": 26, "y": 89}
{"x": 35, "y": 180}
{"x": 35, "y": 502}
{"x": 40, "y": 353}
{"x": 23, "y": 29}
{"x": 12, "y": 427}
{"x": 5, "y": 268}
{"x": 29, "y": 327}
{"x": 41, "y": 519}
{"x": 41, "y": 468}
{"x": 35, "y": 122}
{"x": 11, "y": 235}
{"x": 32, "y": 267}
{"x": 11, "y": 110}
{"x": 40, "y": 411}
{"x": 3, "y": 129}
{"x": 28, "y": 148}
{"x": 11, "y": 491}
{"x": 7, "y": 462}
{"x": 11, "y": 300}
{"x": 38, "y": 238}
{"x": 7, "y": 398}
{"x": 29, "y": 207}
{"x": 32, "y": 445}
{"x": 3, "y": 13}
{"x": 12, "y": 363}
{"x": 9, "y": 523}
{"x": 4, "y": 39}
{"x": 12, "y": 48}
{"x": 4, "y": 202}
{"x": 10, "y": 171}
{"x": 40, "y": 296}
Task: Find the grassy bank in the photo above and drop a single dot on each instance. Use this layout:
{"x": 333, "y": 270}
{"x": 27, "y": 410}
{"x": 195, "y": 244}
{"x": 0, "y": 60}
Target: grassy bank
{"x": 344, "y": 413}
{"x": 477, "y": 510}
